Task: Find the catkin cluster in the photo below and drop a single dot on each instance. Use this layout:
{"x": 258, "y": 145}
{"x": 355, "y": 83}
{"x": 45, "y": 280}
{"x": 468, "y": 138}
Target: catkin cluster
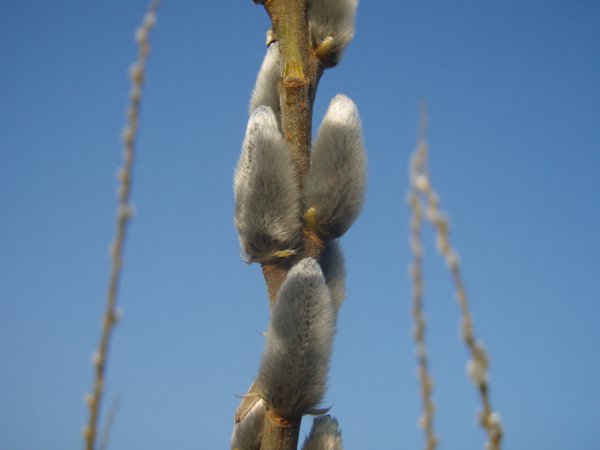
{"x": 274, "y": 209}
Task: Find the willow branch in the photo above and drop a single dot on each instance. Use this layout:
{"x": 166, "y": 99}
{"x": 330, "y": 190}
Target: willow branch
{"x": 125, "y": 210}
{"x": 479, "y": 363}
{"x": 288, "y": 18}
{"x": 416, "y": 273}
{"x": 301, "y": 70}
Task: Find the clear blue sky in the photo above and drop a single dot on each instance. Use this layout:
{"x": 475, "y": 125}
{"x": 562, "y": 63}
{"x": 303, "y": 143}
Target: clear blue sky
{"x": 514, "y": 130}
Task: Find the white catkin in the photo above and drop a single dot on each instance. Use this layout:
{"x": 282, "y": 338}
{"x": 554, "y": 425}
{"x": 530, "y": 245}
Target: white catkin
{"x": 336, "y": 182}
{"x": 332, "y": 21}
{"x": 325, "y": 434}
{"x": 268, "y": 198}
{"x": 332, "y": 264}
{"x": 247, "y": 433}
{"x": 477, "y": 372}
{"x": 265, "y": 90}
{"x": 293, "y": 372}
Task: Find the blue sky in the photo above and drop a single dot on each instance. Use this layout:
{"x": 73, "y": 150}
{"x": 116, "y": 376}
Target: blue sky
{"x": 514, "y": 133}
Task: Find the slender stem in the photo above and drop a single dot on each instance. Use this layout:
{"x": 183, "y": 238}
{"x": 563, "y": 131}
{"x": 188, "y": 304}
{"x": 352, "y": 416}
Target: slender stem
{"x": 296, "y": 119}
{"x": 110, "y": 420}
{"x": 416, "y": 271}
{"x": 288, "y": 18}
{"x": 478, "y": 364}
{"x": 301, "y": 71}
{"x": 110, "y": 317}
{"x": 280, "y": 433}
{"x": 274, "y": 277}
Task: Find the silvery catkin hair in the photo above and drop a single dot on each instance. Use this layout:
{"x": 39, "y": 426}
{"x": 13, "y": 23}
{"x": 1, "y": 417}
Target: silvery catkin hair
{"x": 292, "y": 202}
{"x": 331, "y": 27}
{"x": 336, "y": 182}
{"x": 265, "y": 90}
{"x": 325, "y": 434}
{"x": 332, "y": 264}
{"x": 267, "y": 209}
{"x": 247, "y": 433}
{"x": 293, "y": 373}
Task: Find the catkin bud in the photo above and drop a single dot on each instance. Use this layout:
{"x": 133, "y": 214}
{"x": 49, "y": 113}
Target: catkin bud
{"x": 331, "y": 27}
{"x": 267, "y": 195}
{"x": 477, "y": 372}
{"x": 247, "y": 433}
{"x": 325, "y": 434}
{"x": 293, "y": 373}
{"x": 335, "y": 185}
{"x": 265, "y": 91}
{"x": 332, "y": 264}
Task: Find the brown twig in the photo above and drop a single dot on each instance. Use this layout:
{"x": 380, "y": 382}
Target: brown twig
{"x": 125, "y": 212}
{"x": 301, "y": 71}
{"x": 478, "y": 364}
{"x": 416, "y": 273}
{"x": 110, "y": 420}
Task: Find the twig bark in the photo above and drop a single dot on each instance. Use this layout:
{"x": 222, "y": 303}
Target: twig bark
{"x": 280, "y": 433}
{"x": 301, "y": 71}
{"x": 288, "y": 18}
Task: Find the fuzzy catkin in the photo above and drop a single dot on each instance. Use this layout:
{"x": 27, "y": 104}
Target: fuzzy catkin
{"x": 325, "y": 434}
{"x": 331, "y": 25}
{"x": 336, "y": 182}
{"x": 268, "y": 198}
{"x": 265, "y": 90}
{"x": 247, "y": 433}
{"x": 332, "y": 264}
{"x": 293, "y": 373}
